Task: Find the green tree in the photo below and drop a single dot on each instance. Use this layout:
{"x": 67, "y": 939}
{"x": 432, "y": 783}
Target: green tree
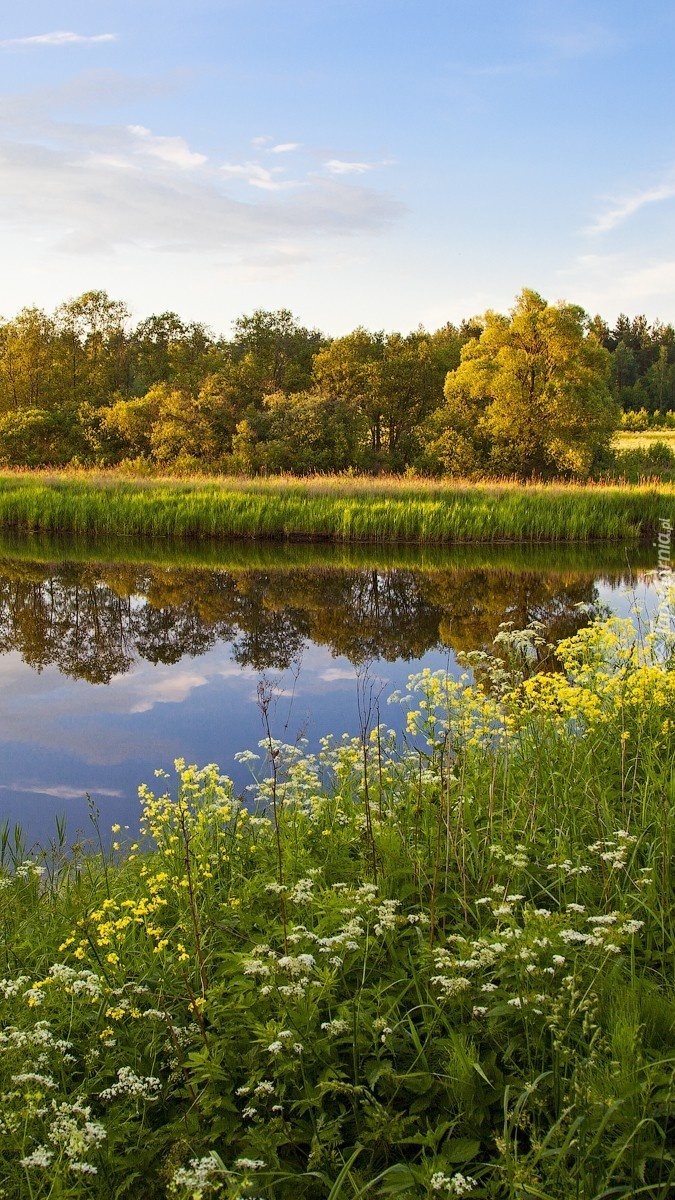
{"x": 531, "y": 394}
{"x": 27, "y": 362}
{"x": 273, "y": 353}
{"x": 92, "y": 349}
{"x": 308, "y": 432}
{"x": 390, "y": 382}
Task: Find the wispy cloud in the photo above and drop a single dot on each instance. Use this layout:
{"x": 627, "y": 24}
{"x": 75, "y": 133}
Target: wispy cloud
{"x": 336, "y": 166}
{"x": 172, "y": 150}
{"x": 59, "y": 37}
{"x": 284, "y": 147}
{"x": 258, "y": 176}
{"x": 86, "y": 187}
{"x": 59, "y": 791}
{"x": 621, "y": 210}
{"x": 610, "y": 283}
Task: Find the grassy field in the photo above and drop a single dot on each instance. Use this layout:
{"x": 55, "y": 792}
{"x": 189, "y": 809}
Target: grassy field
{"x": 625, "y": 440}
{"x": 435, "y": 968}
{"x": 333, "y": 508}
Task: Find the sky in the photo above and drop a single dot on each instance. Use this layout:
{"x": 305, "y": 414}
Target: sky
{"x": 385, "y": 163}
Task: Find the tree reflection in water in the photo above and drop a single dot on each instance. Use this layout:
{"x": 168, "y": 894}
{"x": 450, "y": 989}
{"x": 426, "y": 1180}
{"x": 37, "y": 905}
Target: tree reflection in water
{"x": 93, "y": 621}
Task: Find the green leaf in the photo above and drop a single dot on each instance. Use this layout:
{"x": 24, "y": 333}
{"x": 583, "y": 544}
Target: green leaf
{"x": 460, "y": 1150}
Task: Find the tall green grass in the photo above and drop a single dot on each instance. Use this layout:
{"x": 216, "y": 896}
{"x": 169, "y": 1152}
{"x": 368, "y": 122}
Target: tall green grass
{"x": 337, "y": 509}
{"x": 441, "y": 967}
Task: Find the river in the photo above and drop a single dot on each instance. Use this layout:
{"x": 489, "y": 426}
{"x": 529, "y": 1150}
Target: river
{"x": 117, "y": 658}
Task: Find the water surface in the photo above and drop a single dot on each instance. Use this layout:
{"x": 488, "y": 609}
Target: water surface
{"x": 115, "y": 659}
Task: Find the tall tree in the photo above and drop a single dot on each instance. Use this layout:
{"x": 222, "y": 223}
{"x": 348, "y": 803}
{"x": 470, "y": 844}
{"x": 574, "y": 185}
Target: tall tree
{"x": 531, "y": 394}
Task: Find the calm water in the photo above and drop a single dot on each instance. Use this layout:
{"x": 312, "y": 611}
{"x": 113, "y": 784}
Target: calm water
{"x": 115, "y": 660}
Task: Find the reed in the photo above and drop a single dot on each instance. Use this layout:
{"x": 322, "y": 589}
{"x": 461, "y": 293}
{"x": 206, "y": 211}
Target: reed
{"x": 343, "y": 510}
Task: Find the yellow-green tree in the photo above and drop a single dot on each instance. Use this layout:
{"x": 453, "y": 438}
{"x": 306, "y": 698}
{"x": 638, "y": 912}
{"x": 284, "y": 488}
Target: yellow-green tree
{"x": 530, "y": 396}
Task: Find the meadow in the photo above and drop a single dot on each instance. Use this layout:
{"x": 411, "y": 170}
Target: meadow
{"x": 336, "y": 508}
{"x": 642, "y": 439}
{"x": 434, "y": 967}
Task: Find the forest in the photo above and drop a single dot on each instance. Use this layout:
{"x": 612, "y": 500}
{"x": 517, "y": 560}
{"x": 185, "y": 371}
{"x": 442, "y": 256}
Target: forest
{"x": 538, "y": 392}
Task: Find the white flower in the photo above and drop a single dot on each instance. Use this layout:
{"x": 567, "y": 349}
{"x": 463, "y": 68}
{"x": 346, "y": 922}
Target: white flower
{"x": 264, "y": 1088}
{"x": 250, "y": 1164}
{"x": 130, "y": 1084}
{"x": 41, "y": 1157}
{"x": 335, "y": 1027}
{"x": 275, "y": 1047}
{"x": 196, "y": 1177}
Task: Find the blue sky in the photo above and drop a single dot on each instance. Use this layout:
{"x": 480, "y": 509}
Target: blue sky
{"x": 375, "y": 162}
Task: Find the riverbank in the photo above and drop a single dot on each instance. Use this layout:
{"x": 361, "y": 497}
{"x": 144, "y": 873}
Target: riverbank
{"x": 337, "y": 509}
{"x": 437, "y": 967}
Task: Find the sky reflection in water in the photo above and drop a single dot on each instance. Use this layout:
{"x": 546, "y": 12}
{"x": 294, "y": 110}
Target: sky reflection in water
{"x": 110, "y": 669}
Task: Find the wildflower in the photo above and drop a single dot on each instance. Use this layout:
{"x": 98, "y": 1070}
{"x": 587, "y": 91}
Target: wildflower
{"x": 197, "y": 1177}
{"x": 335, "y": 1027}
{"x": 130, "y": 1084}
{"x": 250, "y": 1164}
{"x": 264, "y": 1088}
{"x": 41, "y": 1157}
{"x": 455, "y": 1185}
{"x": 275, "y": 1047}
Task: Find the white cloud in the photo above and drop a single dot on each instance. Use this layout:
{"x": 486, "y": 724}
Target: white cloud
{"x": 284, "y": 147}
{"x": 90, "y": 187}
{"x": 257, "y": 176}
{"x": 337, "y": 675}
{"x": 58, "y": 38}
{"x": 59, "y": 791}
{"x": 171, "y": 688}
{"x": 336, "y": 166}
{"x": 621, "y": 210}
{"x": 172, "y": 150}
{"x": 613, "y": 283}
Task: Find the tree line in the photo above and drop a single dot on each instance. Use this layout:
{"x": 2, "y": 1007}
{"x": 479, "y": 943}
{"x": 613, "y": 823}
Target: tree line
{"x": 537, "y": 391}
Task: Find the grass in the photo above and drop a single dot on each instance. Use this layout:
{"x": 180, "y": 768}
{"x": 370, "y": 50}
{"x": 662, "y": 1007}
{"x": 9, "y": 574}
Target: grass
{"x": 338, "y": 509}
{"x": 437, "y": 967}
{"x": 625, "y": 440}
